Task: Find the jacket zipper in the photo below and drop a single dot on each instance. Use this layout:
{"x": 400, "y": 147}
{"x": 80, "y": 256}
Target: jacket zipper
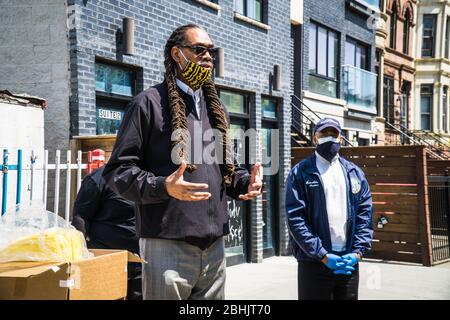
{"x": 350, "y": 219}
{"x": 325, "y": 218}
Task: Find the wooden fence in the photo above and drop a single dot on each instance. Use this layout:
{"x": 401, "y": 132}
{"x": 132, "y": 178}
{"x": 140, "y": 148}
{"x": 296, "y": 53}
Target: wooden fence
{"x": 398, "y": 181}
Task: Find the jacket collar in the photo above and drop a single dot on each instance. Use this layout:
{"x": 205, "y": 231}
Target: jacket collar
{"x": 311, "y": 167}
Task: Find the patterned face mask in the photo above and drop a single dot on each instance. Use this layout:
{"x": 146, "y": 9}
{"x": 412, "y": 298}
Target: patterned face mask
{"x": 194, "y": 74}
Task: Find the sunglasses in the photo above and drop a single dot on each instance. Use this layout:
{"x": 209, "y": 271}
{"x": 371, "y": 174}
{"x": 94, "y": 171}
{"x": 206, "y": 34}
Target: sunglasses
{"x": 201, "y": 50}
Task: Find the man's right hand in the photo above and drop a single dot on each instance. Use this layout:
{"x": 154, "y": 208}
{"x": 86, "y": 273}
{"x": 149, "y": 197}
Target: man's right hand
{"x": 333, "y": 261}
{"x": 179, "y": 189}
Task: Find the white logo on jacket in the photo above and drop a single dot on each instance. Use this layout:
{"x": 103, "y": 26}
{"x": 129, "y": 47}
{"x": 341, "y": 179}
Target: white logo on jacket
{"x": 312, "y": 183}
{"x": 356, "y": 185}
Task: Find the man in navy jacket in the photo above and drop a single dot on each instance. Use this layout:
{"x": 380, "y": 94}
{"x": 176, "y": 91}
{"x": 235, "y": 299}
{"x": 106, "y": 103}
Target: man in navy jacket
{"x": 329, "y": 213}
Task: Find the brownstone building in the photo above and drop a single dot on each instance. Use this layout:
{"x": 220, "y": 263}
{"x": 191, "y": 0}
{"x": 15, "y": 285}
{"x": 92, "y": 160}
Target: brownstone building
{"x": 395, "y": 68}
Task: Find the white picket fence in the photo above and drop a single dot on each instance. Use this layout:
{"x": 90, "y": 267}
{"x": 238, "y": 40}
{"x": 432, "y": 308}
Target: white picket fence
{"x": 36, "y": 175}
{"x": 57, "y": 166}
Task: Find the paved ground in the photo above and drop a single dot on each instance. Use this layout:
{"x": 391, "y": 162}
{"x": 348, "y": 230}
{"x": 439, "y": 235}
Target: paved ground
{"x": 276, "y": 279}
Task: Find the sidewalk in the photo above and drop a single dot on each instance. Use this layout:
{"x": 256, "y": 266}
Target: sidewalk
{"x": 276, "y": 279}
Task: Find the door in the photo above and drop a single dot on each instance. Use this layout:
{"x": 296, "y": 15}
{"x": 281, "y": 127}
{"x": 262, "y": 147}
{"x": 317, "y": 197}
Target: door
{"x": 237, "y": 241}
{"x": 270, "y": 196}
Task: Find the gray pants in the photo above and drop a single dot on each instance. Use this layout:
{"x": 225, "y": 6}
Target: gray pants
{"x": 176, "y": 270}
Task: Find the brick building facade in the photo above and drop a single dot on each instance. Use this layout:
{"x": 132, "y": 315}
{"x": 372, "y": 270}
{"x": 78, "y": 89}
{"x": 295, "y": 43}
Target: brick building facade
{"x": 339, "y": 65}
{"x": 93, "y": 80}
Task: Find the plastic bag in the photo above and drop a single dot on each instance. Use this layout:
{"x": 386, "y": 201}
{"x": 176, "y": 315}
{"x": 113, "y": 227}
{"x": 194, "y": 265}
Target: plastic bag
{"x": 31, "y": 233}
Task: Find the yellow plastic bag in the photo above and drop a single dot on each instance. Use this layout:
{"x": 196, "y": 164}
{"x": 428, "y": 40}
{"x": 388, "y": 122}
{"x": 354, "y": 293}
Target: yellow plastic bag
{"x": 34, "y": 234}
{"x": 56, "y": 245}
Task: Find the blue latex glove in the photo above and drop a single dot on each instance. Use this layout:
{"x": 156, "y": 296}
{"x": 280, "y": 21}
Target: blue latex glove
{"x": 351, "y": 259}
{"x": 334, "y": 261}
{"x": 347, "y": 270}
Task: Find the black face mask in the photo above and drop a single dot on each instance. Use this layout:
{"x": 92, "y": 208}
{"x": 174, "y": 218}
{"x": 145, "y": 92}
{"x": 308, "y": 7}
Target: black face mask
{"x": 328, "y": 148}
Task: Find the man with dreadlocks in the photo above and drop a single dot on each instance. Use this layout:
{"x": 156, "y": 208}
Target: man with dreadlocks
{"x": 181, "y": 206}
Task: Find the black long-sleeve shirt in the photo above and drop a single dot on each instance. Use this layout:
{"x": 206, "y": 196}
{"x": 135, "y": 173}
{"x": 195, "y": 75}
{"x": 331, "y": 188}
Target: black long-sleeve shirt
{"x": 141, "y": 161}
{"x": 104, "y": 217}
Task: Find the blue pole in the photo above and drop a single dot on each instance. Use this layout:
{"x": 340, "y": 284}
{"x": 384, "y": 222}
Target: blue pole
{"x": 5, "y": 180}
{"x": 19, "y": 176}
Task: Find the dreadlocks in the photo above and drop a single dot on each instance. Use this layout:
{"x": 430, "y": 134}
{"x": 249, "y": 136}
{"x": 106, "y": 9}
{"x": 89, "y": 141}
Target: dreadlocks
{"x": 178, "y": 107}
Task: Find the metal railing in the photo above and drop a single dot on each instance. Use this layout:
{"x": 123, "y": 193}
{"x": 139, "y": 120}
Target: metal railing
{"x": 412, "y": 138}
{"x": 434, "y": 137}
{"x": 302, "y": 124}
{"x": 304, "y": 119}
{"x": 439, "y": 200}
{"x": 417, "y": 140}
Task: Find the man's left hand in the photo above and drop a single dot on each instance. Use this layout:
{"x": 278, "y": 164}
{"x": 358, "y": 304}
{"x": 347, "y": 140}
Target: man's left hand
{"x": 254, "y": 188}
{"x": 351, "y": 259}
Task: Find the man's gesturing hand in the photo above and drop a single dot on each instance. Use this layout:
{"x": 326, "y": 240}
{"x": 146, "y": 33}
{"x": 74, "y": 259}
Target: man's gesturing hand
{"x": 179, "y": 189}
{"x": 254, "y": 188}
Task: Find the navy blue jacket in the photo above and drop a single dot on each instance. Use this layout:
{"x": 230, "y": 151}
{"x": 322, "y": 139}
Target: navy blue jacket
{"x": 107, "y": 219}
{"x": 307, "y": 216}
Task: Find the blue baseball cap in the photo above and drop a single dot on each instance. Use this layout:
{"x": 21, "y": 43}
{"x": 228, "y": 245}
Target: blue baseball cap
{"x": 327, "y": 123}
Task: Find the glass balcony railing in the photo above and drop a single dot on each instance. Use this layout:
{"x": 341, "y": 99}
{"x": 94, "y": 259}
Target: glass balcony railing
{"x": 360, "y": 89}
{"x": 374, "y": 4}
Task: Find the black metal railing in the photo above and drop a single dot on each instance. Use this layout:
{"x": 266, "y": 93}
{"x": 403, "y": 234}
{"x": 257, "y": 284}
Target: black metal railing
{"x": 304, "y": 119}
{"x": 434, "y": 137}
{"x": 439, "y": 204}
{"x": 302, "y": 125}
{"x": 410, "y": 137}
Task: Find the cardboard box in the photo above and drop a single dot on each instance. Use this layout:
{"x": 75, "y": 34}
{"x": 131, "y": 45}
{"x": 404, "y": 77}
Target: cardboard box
{"x": 102, "y": 277}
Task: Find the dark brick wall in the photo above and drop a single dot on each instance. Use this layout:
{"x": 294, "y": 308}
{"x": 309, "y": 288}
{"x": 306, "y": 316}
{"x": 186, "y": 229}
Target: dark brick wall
{"x": 250, "y": 54}
{"x": 333, "y": 14}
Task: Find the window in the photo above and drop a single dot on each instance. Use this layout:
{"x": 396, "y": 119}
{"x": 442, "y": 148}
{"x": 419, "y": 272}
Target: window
{"x": 109, "y": 115}
{"x": 426, "y": 105}
{"x": 270, "y": 192}
{"x": 356, "y": 54}
{"x": 113, "y": 80}
{"x": 429, "y": 27}
{"x": 250, "y": 8}
{"x": 393, "y": 27}
{"x": 447, "y": 35}
{"x": 445, "y": 110}
{"x": 388, "y": 99}
{"x": 406, "y": 32}
{"x": 404, "y": 102}
{"x": 234, "y": 102}
{"x": 323, "y": 60}
{"x": 114, "y": 85}
{"x": 269, "y": 108}
{"x": 359, "y": 85}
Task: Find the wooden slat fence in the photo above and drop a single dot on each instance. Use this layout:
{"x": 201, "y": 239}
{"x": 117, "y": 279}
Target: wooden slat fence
{"x": 398, "y": 181}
